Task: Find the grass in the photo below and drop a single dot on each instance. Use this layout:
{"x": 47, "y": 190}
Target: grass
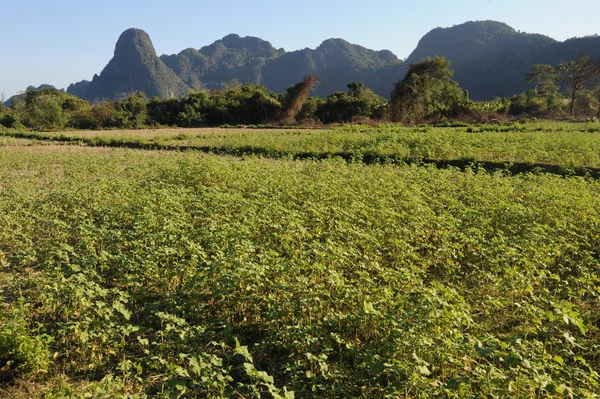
{"x": 8, "y": 141}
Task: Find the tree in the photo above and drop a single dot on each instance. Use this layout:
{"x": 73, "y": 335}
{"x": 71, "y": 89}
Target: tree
{"x": 578, "y": 76}
{"x": 544, "y": 78}
{"x": 131, "y": 112}
{"x": 427, "y": 91}
{"x": 47, "y": 109}
{"x": 45, "y": 113}
{"x": 355, "y": 89}
{"x": 359, "y": 102}
{"x": 295, "y": 96}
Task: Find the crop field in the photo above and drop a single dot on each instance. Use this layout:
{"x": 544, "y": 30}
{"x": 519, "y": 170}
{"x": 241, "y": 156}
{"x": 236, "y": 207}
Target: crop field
{"x": 543, "y": 144}
{"x": 155, "y": 273}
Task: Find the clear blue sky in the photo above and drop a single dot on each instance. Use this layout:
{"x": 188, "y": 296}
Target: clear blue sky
{"x": 61, "y": 42}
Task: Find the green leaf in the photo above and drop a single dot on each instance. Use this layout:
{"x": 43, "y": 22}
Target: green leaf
{"x": 119, "y": 307}
{"x": 558, "y": 360}
{"x": 243, "y": 351}
{"x": 569, "y": 338}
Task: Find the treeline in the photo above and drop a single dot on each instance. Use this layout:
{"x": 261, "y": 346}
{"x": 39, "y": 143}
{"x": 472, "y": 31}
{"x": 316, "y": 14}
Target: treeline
{"x": 249, "y": 104}
{"x": 427, "y": 93}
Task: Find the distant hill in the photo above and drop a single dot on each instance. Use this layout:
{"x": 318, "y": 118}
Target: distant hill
{"x": 337, "y": 63}
{"x": 490, "y": 59}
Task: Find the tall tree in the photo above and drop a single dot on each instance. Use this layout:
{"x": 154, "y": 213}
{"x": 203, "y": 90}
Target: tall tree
{"x": 295, "y": 96}
{"x": 544, "y": 78}
{"x": 578, "y": 76}
{"x": 427, "y": 91}
{"x": 355, "y": 89}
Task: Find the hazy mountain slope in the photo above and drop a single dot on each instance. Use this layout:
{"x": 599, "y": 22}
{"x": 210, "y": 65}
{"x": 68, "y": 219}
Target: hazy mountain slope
{"x": 251, "y": 59}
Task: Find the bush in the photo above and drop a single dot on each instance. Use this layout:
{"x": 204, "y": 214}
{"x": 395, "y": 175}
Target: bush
{"x": 21, "y": 352}
{"x": 47, "y": 109}
{"x": 131, "y": 112}
{"x": 358, "y": 104}
{"x": 10, "y": 120}
{"x": 45, "y": 113}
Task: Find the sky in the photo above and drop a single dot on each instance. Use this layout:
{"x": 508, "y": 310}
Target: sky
{"x": 65, "y": 41}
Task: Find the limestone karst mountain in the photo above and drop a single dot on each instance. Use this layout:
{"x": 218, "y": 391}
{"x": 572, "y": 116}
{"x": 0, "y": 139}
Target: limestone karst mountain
{"x": 134, "y": 67}
{"x": 490, "y": 59}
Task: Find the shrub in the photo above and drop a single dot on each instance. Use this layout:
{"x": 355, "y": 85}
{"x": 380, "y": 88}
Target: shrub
{"x": 10, "y": 120}
{"x": 21, "y": 352}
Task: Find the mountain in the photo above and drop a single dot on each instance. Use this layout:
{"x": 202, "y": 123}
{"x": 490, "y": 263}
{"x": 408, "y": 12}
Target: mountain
{"x": 490, "y": 59}
{"x": 232, "y": 58}
{"x": 337, "y": 63}
{"x": 11, "y": 100}
{"x": 134, "y": 66}
{"x": 250, "y": 59}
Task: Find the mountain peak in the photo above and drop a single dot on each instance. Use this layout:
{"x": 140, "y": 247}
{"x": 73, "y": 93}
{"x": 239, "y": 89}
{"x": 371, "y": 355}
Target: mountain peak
{"x": 237, "y": 42}
{"x": 232, "y": 37}
{"x": 334, "y": 43}
{"x": 487, "y": 25}
{"x": 134, "y": 42}
{"x": 490, "y": 46}
{"x": 134, "y": 67}
{"x": 133, "y": 32}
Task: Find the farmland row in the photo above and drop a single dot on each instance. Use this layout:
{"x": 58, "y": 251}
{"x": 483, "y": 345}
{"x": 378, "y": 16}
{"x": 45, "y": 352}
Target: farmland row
{"x": 569, "y": 146}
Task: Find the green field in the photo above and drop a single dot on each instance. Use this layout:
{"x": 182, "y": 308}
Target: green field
{"x": 568, "y": 145}
{"x": 145, "y": 273}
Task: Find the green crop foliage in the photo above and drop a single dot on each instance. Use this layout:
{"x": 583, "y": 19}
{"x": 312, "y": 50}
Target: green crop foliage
{"x": 161, "y": 274}
{"x": 569, "y": 145}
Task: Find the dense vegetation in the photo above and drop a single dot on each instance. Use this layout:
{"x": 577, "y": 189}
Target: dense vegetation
{"x": 128, "y": 273}
{"x": 51, "y": 109}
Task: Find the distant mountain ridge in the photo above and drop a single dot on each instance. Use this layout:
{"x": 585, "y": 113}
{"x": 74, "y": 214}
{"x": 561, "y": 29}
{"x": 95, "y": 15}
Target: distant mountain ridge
{"x": 489, "y": 58}
{"x": 234, "y": 59}
{"x": 231, "y": 58}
